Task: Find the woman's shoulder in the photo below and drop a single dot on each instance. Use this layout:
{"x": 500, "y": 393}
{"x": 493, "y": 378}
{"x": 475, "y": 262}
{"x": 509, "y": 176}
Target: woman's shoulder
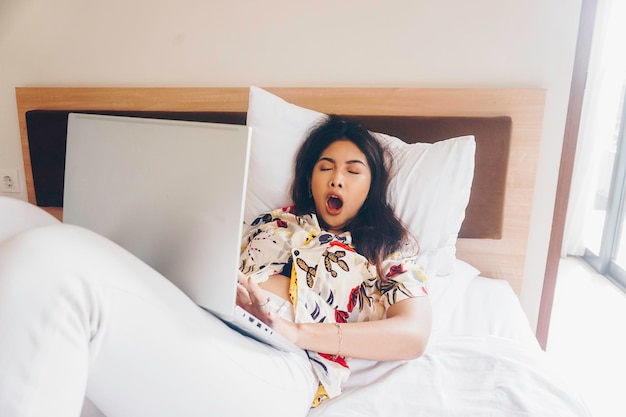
{"x": 406, "y": 258}
{"x": 408, "y": 250}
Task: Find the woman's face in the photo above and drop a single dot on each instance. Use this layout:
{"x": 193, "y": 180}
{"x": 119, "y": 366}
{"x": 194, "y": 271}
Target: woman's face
{"x": 340, "y": 183}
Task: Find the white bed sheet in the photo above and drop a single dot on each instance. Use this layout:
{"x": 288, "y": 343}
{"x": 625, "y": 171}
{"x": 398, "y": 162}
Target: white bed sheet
{"x": 482, "y": 360}
{"x": 465, "y": 303}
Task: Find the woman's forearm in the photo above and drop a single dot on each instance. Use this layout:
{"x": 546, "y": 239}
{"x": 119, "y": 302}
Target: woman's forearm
{"x": 402, "y": 335}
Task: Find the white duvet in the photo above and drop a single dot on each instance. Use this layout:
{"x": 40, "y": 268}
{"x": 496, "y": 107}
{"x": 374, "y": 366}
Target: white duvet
{"x": 482, "y": 360}
{"x": 459, "y": 376}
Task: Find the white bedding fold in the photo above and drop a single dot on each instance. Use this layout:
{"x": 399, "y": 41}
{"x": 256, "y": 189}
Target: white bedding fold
{"x": 482, "y": 360}
{"x": 460, "y": 376}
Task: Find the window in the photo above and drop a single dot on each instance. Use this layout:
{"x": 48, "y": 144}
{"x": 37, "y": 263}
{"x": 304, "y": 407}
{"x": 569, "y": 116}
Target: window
{"x": 605, "y": 234}
{"x": 596, "y": 214}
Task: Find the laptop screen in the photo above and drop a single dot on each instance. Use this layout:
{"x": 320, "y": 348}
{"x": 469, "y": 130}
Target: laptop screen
{"x": 170, "y": 192}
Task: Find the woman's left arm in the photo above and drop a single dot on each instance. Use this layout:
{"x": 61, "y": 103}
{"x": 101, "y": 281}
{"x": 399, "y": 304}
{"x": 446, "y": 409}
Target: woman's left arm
{"x": 402, "y": 335}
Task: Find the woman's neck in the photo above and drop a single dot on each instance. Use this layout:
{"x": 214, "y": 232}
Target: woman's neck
{"x": 327, "y": 228}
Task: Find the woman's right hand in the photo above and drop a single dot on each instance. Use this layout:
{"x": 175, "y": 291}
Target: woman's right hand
{"x": 251, "y": 298}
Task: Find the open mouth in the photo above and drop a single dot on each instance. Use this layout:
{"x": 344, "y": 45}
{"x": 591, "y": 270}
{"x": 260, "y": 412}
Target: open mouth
{"x": 334, "y": 204}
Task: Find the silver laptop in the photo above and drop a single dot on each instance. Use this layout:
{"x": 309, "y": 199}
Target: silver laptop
{"x": 172, "y": 193}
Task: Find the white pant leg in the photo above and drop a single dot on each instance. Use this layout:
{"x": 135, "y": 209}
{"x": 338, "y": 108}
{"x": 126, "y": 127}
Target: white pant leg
{"x": 79, "y": 314}
{"x": 17, "y": 216}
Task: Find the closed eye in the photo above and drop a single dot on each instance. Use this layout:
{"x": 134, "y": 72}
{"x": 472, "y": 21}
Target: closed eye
{"x": 355, "y": 167}
{"x": 325, "y": 164}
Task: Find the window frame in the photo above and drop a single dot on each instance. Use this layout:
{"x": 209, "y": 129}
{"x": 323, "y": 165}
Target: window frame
{"x": 614, "y": 222}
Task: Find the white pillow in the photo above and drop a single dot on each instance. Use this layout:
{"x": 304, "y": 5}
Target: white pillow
{"x": 429, "y": 189}
{"x": 278, "y": 130}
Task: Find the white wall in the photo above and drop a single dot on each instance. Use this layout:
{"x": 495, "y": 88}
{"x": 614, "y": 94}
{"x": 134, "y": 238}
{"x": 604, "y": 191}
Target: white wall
{"x": 408, "y": 43}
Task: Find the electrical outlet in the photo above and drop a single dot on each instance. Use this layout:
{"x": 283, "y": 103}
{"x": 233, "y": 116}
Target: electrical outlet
{"x": 9, "y": 181}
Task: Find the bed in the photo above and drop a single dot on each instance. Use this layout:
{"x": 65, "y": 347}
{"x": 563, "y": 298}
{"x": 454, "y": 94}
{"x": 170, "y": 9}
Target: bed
{"x": 464, "y": 185}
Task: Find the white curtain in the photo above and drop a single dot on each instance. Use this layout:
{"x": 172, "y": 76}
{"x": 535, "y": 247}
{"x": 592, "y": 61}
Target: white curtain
{"x": 601, "y": 106}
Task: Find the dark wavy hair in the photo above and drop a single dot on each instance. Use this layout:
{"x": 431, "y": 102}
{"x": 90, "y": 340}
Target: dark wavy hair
{"x": 376, "y": 230}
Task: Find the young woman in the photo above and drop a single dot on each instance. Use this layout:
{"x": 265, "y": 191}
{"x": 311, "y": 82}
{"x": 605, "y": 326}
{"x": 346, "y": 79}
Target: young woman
{"x": 81, "y": 316}
{"x": 336, "y": 255}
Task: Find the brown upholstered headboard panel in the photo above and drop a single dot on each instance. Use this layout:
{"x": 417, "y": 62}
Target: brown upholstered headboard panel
{"x": 47, "y": 131}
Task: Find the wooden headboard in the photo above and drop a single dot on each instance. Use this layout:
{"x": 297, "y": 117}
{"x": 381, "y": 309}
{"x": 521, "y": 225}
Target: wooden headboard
{"x": 501, "y": 257}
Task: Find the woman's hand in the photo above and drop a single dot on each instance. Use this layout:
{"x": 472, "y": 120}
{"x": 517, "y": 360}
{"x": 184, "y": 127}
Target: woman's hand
{"x": 251, "y": 298}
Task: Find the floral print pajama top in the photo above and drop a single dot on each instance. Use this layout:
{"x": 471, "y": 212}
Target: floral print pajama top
{"x": 330, "y": 282}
